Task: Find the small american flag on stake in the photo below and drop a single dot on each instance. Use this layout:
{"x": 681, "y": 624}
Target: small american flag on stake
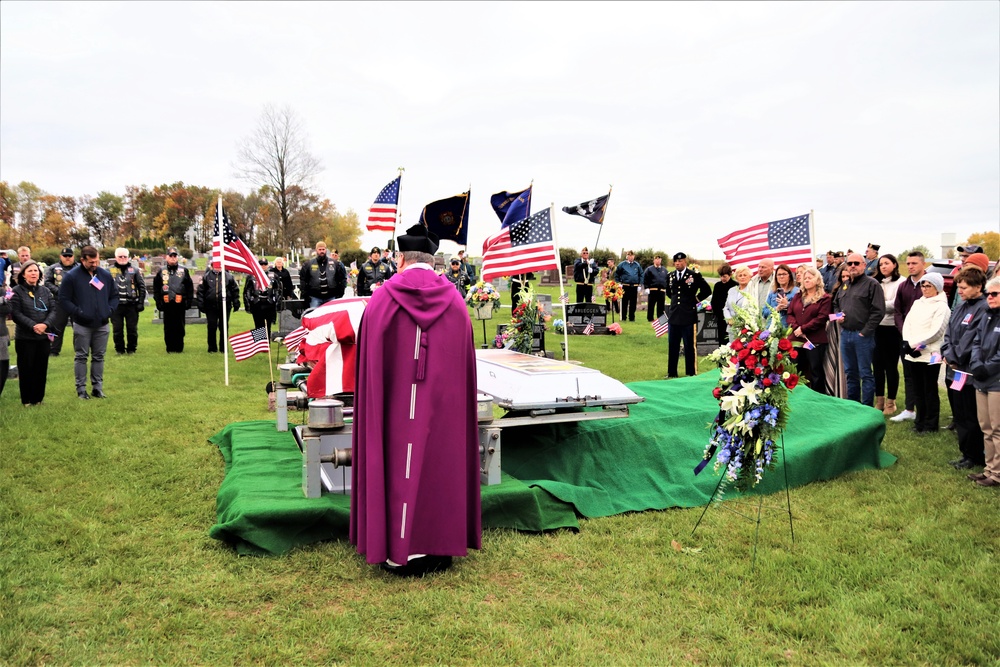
{"x": 564, "y": 297}
{"x": 589, "y": 329}
{"x": 249, "y": 343}
{"x": 292, "y": 340}
{"x": 660, "y": 326}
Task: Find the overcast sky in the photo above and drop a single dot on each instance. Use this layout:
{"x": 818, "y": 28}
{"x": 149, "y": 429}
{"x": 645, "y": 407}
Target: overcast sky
{"x": 883, "y": 118}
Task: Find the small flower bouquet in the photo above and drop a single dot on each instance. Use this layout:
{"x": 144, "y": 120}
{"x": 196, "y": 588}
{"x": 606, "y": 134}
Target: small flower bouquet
{"x": 613, "y": 291}
{"x": 482, "y": 293}
{"x": 615, "y": 329}
{"x": 521, "y": 330}
{"x": 756, "y": 374}
{"x": 559, "y": 326}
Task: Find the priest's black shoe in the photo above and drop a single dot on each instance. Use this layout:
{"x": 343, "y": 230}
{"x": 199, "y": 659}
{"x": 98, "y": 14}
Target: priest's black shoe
{"x": 82, "y": 395}
{"x": 97, "y": 393}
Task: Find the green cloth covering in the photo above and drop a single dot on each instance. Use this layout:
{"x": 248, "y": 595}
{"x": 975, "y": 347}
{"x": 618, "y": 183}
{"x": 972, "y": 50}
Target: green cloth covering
{"x": 647, "y": 461}
{"x": 555, "y": 472}
{"x": 260, "y": 507}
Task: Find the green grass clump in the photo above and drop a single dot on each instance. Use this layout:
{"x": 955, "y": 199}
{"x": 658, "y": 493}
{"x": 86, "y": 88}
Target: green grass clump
{"x": 106, "y": 507}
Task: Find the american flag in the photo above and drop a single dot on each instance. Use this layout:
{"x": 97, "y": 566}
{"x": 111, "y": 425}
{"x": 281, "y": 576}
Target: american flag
{"x": 292, "y": 340}
{"x": 589, "y": 329}
{"x": 382, "y": 214}
{"x": 249, "y": 343}
{"x": 238, "y": 256}
{"x": 785, "y": 241}
{"x": 660, "y": 325}
{"x": 330, "y": 346}
{"x": 522, "y": 247}
{"x": 564, "y": 297}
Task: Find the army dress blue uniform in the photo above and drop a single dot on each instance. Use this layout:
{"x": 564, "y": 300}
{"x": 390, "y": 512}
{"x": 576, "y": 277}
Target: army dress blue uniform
{"x": 685, "y": 288}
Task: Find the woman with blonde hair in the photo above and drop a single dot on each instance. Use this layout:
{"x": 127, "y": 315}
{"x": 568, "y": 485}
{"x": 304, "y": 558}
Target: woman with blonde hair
{"x": 808, "y": 315}
{"x": 737, "y": 298}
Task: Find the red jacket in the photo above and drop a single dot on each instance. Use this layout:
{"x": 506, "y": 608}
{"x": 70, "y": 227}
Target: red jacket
{"x": 812, "y": 318}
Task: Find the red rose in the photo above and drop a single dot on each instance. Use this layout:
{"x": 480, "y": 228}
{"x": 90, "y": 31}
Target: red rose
{"x": 757, "y": 344}
{"x": 784, "y": 344}
{"x": 779, "y": 369}
{"x": 734, "y": 359}
{"x": 779, "y": 356}
{"x": 750, "y": 361}
{"x": 758, "y": 370}
{"x": 792, "y": 380}
{"x": 737, "y": 346}
{"x": 717, "y": 392}
{"x": 793, "y": 354}
{"x": 743, "y": 354}
{"x": 767, "y": 382}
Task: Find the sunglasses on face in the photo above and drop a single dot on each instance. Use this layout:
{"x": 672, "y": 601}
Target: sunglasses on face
{"x": 853, "y": 263}
{"x": 993, "y": 295}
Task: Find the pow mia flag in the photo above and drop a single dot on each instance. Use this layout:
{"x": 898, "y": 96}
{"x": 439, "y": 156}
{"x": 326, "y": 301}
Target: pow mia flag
{"x": 592, "y": 210}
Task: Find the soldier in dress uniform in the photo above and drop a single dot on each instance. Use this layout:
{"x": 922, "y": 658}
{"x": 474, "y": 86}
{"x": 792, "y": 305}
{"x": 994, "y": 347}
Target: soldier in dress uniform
{"x": 131, "y": 289}
{"x": 373, "y": 273}
{"x": 685, "y": 288}
{"x": 53, "y": 279}
{"x": 263, "y": 303}
{"x": 174, "y": 292}
{"x": 584, "y": 274}
{"x": 210, "y": 303}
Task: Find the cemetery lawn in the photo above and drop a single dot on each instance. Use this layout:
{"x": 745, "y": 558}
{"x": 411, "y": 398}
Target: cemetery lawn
{"x": 106, "y": 507}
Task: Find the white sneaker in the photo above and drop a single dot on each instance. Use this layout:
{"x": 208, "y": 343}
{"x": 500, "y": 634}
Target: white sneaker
{"x": 903, "y": 416}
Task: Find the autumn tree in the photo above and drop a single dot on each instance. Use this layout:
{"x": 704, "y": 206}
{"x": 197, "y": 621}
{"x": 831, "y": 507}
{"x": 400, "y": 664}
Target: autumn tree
{"x": 990, "y": 241}
{"x": 276, "y": 156}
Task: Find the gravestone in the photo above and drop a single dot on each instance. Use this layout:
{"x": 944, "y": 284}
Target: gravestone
{"x": 546, "y": 301}
{"x": 537, "y": 340}
{"x": 707, "y": 339}
{"x": 550, "y": 277}
{"x": 579, "y": 314}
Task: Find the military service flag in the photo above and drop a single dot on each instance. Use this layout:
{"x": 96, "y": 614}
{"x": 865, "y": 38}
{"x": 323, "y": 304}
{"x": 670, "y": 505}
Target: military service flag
{"x": 448, "y": 218}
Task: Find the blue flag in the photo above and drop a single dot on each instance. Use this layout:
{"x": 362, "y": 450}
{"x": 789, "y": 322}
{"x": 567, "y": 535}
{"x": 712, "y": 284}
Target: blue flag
{"x": 448, "y": 218}
{"x": 512, "y": 206}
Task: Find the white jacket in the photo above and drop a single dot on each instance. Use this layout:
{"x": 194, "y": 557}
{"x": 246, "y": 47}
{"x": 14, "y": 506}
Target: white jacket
{"x": 926, "y": 323}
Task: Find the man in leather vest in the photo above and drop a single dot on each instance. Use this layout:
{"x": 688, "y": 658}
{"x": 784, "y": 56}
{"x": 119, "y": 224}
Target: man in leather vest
{"x": 320, "y": 279}
{"x": 262, "y": 303}
{"x": 131, "y": 288}
{"x": 373, "y": 273}
{"x": 53, "y": 280}
{"x": 210, "y": 303}
{"x": 173, "y": 290}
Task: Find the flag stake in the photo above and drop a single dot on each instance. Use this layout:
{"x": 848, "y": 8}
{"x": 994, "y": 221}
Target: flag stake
{"x": 222, "y": 264}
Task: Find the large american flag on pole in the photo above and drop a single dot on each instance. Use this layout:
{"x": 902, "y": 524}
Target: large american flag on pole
{"x": 522, "y": 247}
{"x": 249, "y": 343}
{"x": 238, "y": 256}
{"x": 382, "y": 214}
{"x": 785, "y": 241}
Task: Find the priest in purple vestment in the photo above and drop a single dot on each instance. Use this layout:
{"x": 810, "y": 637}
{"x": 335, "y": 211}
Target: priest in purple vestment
{"x": 415, "y": 447}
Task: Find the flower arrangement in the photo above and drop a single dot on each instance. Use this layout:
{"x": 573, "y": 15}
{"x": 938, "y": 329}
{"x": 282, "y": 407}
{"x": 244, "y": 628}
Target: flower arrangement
{"x": 756, "y": 374}
{"x": 353, "y": 277}
{"x": 482, "y": 293}
{"x": 615, "y": 329}
{"x": 559, "y": 326}
{"x": 520, "y": 332}
{"x": 613, "y": 291}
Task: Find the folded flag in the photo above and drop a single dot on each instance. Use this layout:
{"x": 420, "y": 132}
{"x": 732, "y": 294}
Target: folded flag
{"x": 836, "y": 316}
{"x": 660, "y": 325}
{"x": 592, "y": 210}
{"x": 382, "y": 213}
{"x": 958, "y": 382}
{"x": 589, "y": 329}
{"x": 249, "y": 343}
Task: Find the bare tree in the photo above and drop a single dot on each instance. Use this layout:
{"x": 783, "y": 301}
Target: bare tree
{"x": 275, "y": 156}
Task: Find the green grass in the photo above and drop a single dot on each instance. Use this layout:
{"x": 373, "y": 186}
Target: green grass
{"x": 106, "y": 507}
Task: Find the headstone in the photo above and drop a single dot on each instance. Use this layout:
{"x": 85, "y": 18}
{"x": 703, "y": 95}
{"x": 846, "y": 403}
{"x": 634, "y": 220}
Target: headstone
{"x": 550, "y": 277}
{"x": 537, "y": 340}
{"x": 579, "y": 314}
{"x": 707, "y": 339}
{"x": 546, "y": 301}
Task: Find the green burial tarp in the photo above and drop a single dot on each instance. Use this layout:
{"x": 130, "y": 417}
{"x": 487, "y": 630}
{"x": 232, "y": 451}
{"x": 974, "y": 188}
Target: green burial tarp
{"x": 552, "y": 473}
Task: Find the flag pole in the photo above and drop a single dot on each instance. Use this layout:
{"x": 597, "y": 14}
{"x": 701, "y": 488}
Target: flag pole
{"x": 600, "y": 227}
{"x": 562, "y": 290}
{"x": 399, "y": 196}
{"x": 812, "y": 238}
{"x": 222, "y": 264}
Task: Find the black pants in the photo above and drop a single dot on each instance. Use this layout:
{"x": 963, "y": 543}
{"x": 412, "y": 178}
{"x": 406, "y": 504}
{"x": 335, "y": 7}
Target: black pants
{"x": 810, "y": 365}
{"x": 61, "y": 328}
{"x": 173, "y": 326}
{"x": 4, "y": 368}
{"x": 584, "y": 293}
{"x": 32, "y": 368}
{"x": 908, "y": 384}
{"x": 216, "y": 339}
{"x": 926, "y": 400}
{"x": 675, "y": 335}
{"x": 263, "y": 316}
{"x": 125, "y": 318}
{"x": 886, "y": 361}
{"x": 630, "y": 299}
{"x": 721, "y": 328}
{"x": 966, "y": 418}
{"x": 656, "y": 299}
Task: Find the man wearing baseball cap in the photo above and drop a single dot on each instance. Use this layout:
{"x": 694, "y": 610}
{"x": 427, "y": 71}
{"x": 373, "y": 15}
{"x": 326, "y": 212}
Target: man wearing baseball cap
{"x": 173, "y": 291}
{"x": 373, "y": 273}
{"x": 53, "y": 280}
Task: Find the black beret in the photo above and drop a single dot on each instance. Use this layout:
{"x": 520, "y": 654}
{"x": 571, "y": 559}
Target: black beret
{"x": 679, "y": 255}
{"x": 418, "y": 239}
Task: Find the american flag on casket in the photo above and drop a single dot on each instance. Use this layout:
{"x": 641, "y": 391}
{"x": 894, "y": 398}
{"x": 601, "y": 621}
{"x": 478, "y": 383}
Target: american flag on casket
{"x": 329, "y": 345}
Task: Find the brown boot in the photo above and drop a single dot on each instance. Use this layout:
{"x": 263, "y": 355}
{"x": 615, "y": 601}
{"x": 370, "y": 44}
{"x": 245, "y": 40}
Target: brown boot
{"x": 880, "y": 402}
{"x": 890, "y": 407}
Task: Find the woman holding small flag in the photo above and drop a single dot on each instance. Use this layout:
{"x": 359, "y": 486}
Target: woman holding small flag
{"x": 33, "y": 309}
{"x": 887, "y": 339}
{"x": 957, "y": 352}
{"x": 923, "y": 334}
{"x": 808, "y": 313}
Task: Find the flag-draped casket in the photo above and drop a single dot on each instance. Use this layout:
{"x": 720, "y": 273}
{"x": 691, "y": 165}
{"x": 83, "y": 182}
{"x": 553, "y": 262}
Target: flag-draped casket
{"x": 330, "y": 345}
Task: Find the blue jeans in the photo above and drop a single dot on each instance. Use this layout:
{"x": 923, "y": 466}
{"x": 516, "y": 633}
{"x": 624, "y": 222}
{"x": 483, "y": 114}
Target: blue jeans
{"x": 316, "y": 302}
{"x": 857, "y": 352}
